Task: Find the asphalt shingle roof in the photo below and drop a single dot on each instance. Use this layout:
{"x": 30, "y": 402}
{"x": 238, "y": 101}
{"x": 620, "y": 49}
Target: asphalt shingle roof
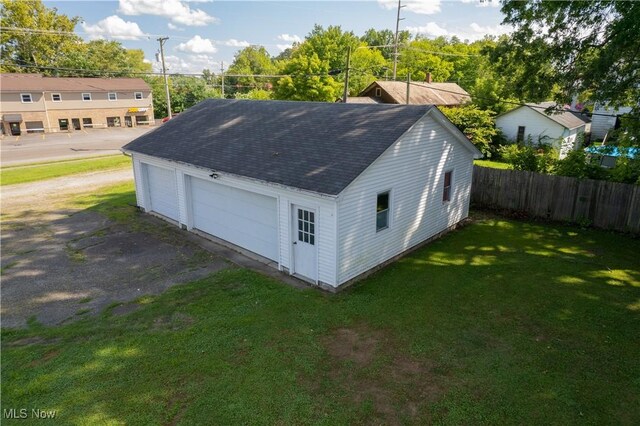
{"x": 320, "y": 147}
{"x": 566, "y": 118}
{"x": 37, "y": 82}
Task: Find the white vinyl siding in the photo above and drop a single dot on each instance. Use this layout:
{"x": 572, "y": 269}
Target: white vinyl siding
{"x": 413, "y": 169}
{"x": 537, "y": 126}
{"x": 604, "y": 119}
{"x": 325, "y": 207}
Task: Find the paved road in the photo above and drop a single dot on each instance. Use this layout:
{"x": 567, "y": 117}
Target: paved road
{"x": 32, "y": 148}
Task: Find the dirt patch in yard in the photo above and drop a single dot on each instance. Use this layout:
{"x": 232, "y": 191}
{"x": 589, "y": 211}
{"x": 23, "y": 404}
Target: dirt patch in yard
{"x": 62, "y": 263}
{"x": 367, "y": 366}
{"x": 48, "y": 356}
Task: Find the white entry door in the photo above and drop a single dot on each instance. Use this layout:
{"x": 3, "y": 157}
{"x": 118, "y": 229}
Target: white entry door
{"x": 305, "y": 243}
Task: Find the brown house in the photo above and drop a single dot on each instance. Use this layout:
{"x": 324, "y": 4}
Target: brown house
{"x": 33, "y": 103}
{"x": 420, "y": 93}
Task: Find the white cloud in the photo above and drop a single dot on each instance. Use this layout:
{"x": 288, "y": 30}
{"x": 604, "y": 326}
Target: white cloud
{"x": 496, "y": 31}
{"x": 483, "y": 3}
{"x": 422, "y": 7}
{"x": 175, "y": 10}
{"x": 431, "y": 29}
{"x": 174, "y": 27}
{"x": 232, "y": 42}
{"x": 289, "y": 39}
{"x": 197, "y": 44}
{"x": 190, "y": 64}
{"x": 113, "y": 27}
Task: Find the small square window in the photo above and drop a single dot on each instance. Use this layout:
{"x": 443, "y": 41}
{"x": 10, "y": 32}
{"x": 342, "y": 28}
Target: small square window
{"x": 138, "y": 96}
{"x": 113, "y": 96}
{"x": 86, "y": 96}
{"x": 446, "y": 193}
{"x": 382, "y": 211}
{"x": 26, "y": 98}
{"x": 56, "y": 97}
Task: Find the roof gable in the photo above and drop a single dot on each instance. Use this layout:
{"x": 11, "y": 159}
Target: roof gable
{"x": 319, "y": 147}
{"x": 566, "y": 118}
{"x": 420, "y": 93}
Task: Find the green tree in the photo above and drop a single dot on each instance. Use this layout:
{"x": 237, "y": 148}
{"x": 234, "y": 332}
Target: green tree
{"x": 307, "y": 79}
{"x": 184, "y": 91}
{"x": 478, "y": 125}
{"x": 255, "y": 94}
{"x": 421, "y": 57}
{"x": 47, "y": 46}
{"x": 105, "y": 58}
{"x": 329, "y": 45}
{"x": 366, "y": 65}
{"x": 252, "y": 60}
{"x": 385, "y": 39}
{"x": 569, "y": 48}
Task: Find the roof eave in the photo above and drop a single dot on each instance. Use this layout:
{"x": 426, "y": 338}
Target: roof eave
{"x": 236, "y": 176}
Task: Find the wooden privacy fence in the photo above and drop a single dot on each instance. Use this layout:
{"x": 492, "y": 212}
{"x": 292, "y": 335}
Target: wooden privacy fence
{"x": 603, "y": 204}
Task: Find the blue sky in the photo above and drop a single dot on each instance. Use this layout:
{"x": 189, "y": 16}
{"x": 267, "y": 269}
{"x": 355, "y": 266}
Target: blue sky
{"x": 204, "y": 33}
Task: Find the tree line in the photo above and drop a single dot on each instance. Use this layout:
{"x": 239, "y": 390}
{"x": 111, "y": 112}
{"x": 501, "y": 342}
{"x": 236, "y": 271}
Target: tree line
{"x": 558, "y": 51}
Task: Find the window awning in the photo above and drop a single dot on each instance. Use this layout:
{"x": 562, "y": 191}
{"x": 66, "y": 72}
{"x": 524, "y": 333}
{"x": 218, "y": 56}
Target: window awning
{"x": 12, "y": 117}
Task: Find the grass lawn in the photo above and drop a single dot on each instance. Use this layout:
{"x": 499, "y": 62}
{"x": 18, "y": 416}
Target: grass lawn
{"x": 492, "y": 164}
{"x": 499, "y": 322}
{"x": 12, "y": 175}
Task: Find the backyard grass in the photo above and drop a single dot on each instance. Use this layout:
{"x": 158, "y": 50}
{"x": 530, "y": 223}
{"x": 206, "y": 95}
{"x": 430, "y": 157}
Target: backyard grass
{"x": 11, "y": 175}
{"x": 492, "y": 164}
{"x": 500, "y": 322}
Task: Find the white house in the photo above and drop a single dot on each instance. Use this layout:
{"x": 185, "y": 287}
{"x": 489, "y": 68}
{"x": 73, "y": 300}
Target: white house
{"x": 560, "y": 129}
{"x": 605, "y": 118}
{"x": 324, "y": 191}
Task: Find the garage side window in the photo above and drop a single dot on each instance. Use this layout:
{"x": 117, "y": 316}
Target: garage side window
{"x": 26, "y": 98}
{"x": 86, "y": 97}
{"x": 382, "y": 211}
{"x": 446, "y": 193}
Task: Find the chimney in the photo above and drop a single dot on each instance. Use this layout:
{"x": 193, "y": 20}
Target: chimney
{"x": 428, "y": 78}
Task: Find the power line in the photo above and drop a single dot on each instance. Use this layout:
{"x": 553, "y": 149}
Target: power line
{"x": 93, "y": 72}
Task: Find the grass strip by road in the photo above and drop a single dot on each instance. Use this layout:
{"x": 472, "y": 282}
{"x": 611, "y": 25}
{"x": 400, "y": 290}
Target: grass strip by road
{"x": 501, "y": 322}
{"x": 12, "y": 175}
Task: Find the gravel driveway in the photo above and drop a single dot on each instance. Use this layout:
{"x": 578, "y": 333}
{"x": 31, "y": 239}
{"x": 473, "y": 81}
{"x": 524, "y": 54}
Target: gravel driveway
{"x": 60, "y": 264}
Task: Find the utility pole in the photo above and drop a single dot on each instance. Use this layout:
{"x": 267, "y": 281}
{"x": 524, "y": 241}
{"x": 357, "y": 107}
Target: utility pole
{"x": 164, "y": 73}
{"x": 408, "y": 85}
{"x": 222, "y": 77}
{"x": 395, "y": 45}
{"x": 345, "y": 94}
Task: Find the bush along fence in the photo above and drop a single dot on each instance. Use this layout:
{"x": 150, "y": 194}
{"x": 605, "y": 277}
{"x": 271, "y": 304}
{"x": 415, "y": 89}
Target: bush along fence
{"x": 602, "y": 204}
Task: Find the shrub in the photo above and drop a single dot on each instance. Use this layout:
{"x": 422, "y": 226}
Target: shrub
{"x": 478, "y": 125}
{"x": 576, "y": 164}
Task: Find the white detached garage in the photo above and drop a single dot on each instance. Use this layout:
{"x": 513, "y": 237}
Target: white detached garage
{"x": 325, "y": 191}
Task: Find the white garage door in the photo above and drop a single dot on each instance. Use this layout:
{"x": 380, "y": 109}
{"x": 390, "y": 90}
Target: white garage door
{"x": 244, "y": 218}
{"x": 163, "y": 194}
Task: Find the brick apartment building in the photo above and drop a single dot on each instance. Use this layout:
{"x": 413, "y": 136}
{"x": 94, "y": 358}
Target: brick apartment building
{"x": 31, "y": 103}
